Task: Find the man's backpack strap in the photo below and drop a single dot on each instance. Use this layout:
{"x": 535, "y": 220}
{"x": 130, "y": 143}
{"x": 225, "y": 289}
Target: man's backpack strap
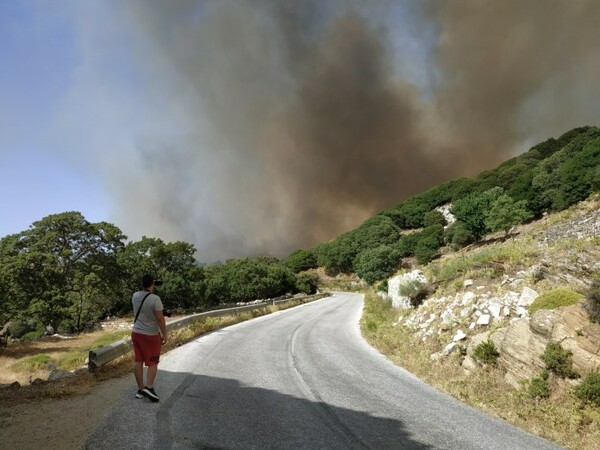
{"x": 142, "y": 304}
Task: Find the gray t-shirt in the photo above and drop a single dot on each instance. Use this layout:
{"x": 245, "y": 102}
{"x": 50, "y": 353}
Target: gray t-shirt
{"x": 146, "y": 322}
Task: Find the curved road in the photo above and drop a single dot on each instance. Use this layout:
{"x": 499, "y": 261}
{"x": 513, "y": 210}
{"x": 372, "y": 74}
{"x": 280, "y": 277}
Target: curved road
{"x": 302, "y": 378}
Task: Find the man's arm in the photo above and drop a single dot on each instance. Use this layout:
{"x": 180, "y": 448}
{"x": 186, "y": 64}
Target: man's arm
{"x": 160, "y": 318}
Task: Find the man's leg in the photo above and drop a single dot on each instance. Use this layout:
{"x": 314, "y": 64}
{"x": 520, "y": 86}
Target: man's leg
{"x": 139, "y": 374}
{"x": 151, "y": 375}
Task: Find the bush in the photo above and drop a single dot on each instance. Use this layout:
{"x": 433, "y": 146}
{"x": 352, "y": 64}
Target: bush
{"x": 554, "y": 299}
{"x": 376, "y": 264}
{"x": 307, "y": 282}
{"x": 434, "y": 218}
{"x": 486, "y": 353}
{"x": 558, "y": 361}
{"x": 301, "y": 260}
{"x": 383, "y": 286}
{"x": 589, "y": 389}
{"x": 458, "y": 235}
{"x": 428, "y": 242}
{"x": 415, "y": 290}
{"x": 539, "y": 387}
{"x": 19, "y": 328}
{"x": 593, "y": 304}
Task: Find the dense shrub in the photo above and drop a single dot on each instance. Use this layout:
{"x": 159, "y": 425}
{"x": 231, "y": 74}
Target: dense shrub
{"x": 307, "y": 282}
{"x": 539, "y": 387}
{"x": 428, "y": 243}
{"x": 301, "y": 260}
{"x": 458, "y": 235}
{"x": 376, "y": 264}
{"x": 589, "y": 389}
{"x": 18, "y": 328}
{"x": 486, "y": 353}
{"x": 554, "y": 299}
{"x": 434, "y": 218}
{"x": 558, "y": 361}
{"x": 593, "y": 304}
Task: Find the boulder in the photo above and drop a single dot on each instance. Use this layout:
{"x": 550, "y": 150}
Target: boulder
{"x": 394, "y": 284}
{"x": 520, "y": 350}
{"x": 523, "y": 342}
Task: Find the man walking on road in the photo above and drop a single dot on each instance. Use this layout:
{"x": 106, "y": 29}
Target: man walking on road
{"x": 148, "y": 333}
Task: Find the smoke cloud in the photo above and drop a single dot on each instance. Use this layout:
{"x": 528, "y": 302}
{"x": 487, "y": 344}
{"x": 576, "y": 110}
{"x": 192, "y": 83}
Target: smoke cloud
{"x": 269, "y": 126}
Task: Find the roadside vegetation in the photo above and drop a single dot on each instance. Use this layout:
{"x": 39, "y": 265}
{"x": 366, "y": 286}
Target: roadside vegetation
{"x": 547, "y": 406}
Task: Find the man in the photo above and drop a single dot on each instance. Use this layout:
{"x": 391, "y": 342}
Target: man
{"x": 148, "y": 333}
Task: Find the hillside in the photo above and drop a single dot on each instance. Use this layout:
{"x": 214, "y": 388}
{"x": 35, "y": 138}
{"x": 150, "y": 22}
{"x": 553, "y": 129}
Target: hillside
{"x": 482, "y": 324}
{"x": 550, "y": 177}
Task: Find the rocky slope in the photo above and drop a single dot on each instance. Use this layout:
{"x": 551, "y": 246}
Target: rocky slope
{"x": 485, "y": 293}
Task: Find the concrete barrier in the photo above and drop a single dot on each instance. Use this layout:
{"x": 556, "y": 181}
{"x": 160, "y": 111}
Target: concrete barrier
{"x": 101, "y": 356}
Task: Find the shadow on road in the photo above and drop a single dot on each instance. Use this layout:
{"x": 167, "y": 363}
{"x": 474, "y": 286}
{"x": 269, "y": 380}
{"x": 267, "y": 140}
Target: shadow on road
{"x": 204, "y": 412}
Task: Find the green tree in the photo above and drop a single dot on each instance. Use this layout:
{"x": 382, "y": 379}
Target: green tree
{"x": 473, "y": 209}
{"x": 172, "y": 262}
{"x": 243, "y": 280}
{"x": 377, "y": 263}
{"x": 301, "y": 260}
{"x": 505, "y": 213}
{"x": 47, "y": 269}
{"x": 434, "y": 218}
{"x": 307, "y": 282}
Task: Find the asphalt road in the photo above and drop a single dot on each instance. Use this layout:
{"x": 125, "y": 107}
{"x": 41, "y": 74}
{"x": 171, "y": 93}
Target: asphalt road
{"x": 303, "y": 378}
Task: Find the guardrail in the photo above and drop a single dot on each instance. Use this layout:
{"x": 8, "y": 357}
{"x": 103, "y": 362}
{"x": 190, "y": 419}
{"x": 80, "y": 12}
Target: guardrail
{"x": 101, "y": 356}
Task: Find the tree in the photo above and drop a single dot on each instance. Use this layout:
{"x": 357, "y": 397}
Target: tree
{"x": 47, "y": 269}
{"x": 243, "y": 280}
{"x": 472, "y": 210}
{"x": 377, "y": 263}
{"x": 434, "y": 218}
{"x": 172, "y": 262}
{"x": 505, "y": 213}
{"x": 301, "y": 260}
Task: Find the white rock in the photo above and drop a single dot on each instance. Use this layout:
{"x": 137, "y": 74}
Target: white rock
{"x": 506, "y": 311}
{"x": 399, "y": 301}
{"x": 494, "y": 310}
{"x": 472, "y": 326}
{"x": 521, "y": 312}
{"x": 459, "y": 336}
{"x": 468, "y": 282}
{"x": 467, "y": 297}
{"x": 527, "y": 297}
{"x": 484, "y": 319}
{"x": 449, "y": 348}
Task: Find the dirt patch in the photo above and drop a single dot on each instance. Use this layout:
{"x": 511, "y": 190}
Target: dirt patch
{"x": 59, "y": 423}
{"x": 52, "y": 346}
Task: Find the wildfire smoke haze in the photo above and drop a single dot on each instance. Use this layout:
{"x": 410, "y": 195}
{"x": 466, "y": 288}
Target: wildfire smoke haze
{"x": 253, "y": 127}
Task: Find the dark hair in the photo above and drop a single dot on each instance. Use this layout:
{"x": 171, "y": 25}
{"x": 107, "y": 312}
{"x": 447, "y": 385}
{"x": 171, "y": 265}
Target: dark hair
{"x": 147, "y": 281}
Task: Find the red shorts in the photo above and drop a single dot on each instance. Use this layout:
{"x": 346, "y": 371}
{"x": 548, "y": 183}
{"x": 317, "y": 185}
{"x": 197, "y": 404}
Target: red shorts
{"x": 146, "y": 348}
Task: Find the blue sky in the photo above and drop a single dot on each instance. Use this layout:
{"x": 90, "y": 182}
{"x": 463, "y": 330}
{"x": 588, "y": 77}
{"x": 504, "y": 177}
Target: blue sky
{"x": 37, "y": 177}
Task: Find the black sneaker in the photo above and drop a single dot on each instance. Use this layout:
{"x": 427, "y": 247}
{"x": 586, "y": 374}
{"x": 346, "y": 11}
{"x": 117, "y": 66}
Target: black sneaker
{"x": 150, "y": 394}
{"x": 139, "y": 394}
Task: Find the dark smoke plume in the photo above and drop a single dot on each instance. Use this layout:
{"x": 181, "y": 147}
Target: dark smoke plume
{"x": 299, "y": 118}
